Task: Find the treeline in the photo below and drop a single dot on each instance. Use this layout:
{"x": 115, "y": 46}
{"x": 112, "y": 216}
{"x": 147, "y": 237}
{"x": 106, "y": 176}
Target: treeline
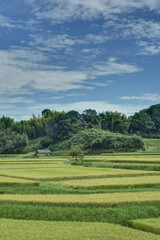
{"x": 53, "y": 126}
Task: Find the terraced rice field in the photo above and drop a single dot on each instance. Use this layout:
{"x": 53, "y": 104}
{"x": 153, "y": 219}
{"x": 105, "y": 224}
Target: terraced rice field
{"x": 84, "y": 199}
{"x": 41, "y": 230}
{"x": 79, "y": 202}
{"x": 148, "y": 225}
{"x": 69, "y": 172}
{"x": 109, "y": 183}
{"x": 8, "y": 181}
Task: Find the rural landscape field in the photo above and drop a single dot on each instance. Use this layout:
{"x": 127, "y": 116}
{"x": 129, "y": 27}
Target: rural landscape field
{"x": 79, "y": 120}
{"x": 108, "y": 196}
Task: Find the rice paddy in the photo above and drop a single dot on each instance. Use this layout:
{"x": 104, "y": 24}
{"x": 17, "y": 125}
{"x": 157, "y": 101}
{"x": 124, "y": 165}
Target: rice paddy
{"x": 84, "y": 199}
{"x": 69, "y": 172}
{"x": 109, "y": 183}
{"x": 148, "y": 225}
{"x": 87, "y": 201}
{"x": 8, "y": 181}
{"x": 43, "y": 230}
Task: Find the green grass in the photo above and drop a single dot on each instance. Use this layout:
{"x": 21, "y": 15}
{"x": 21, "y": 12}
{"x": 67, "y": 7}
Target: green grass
{"x": 118, "y": 215}
{"x": 40, "y": 230}
{"x": 147, "y": 225}
{"x": 152, "y": 144}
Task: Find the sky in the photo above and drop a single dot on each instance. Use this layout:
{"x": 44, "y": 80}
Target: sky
{"x": 77, "y": 55}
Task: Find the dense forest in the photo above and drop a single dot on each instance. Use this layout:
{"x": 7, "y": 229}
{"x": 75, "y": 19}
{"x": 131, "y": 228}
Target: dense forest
{"x": 53, "y": 127}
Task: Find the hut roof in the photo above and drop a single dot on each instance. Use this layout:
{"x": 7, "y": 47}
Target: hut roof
{"x": 43, "y": 151}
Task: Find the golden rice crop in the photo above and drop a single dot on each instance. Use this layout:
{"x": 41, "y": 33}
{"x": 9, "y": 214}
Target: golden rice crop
{"x": 70, "y": 172}
{"x": 90, "y": 199}
{"x": 46, "y": 230}
{"x": 8, "y": 181}
{"x": 142, "y": 159}
{"x": 148, "y": 225}
{"x": 32, "y": 165}
{"x": 112, "y": 182}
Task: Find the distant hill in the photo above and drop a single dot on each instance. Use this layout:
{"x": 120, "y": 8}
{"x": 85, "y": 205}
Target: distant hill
{"x": 96, "y": 140}
{"x": 146, "y": 123}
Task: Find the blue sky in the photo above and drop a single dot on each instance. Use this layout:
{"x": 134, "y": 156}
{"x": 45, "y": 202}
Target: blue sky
{"x": 78, "y": 54}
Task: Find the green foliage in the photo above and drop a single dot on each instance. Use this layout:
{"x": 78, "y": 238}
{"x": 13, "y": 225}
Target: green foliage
{"x": 100, "y": 140}
{"x": 12, "y": 142}
{"x": 54, "y": 127}
{"x": 147, "y": 122}
{"x": 76, "y": 152}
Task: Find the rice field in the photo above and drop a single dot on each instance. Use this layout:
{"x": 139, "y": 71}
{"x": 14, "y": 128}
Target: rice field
{"x": 8, "y": 181}
{"x": 148, "y": 225}
{"x": 109, "y": 183}
{"x": 93, "y": 201}
{"x": 84, "y": 199}
{"x": 69, "y": 172}
{"x": 43, "y": 230}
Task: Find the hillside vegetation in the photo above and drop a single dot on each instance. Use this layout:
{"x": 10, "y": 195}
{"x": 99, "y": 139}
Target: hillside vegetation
{"x": 109, "y": 131}
{"x": 97, "y": 140}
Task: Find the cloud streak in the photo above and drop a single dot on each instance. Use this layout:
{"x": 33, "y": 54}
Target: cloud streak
{"x": 145, "y": 97}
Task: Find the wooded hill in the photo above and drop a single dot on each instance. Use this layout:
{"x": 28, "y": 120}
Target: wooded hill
{"x": 53, "y": 127}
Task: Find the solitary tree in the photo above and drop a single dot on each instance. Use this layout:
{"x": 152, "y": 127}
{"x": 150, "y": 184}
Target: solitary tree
{"x": 76, "y": 152}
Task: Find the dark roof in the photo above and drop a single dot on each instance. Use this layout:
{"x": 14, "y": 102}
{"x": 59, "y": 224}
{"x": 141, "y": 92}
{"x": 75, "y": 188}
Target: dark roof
{"x": 43, "y": 151}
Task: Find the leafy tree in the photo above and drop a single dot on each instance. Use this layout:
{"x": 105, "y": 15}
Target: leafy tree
{"x": 76, "y": 152}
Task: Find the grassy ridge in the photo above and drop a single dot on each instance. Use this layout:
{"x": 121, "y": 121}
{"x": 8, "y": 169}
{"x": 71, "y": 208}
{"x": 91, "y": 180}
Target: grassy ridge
{"x": 40, "y": 230}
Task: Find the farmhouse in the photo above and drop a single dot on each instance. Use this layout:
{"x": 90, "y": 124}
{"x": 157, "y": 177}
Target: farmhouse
{"x": 43, "y": 152}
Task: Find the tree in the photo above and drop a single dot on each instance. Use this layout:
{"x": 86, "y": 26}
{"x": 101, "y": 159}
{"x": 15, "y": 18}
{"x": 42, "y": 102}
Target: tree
{"x": 76, "y": 152}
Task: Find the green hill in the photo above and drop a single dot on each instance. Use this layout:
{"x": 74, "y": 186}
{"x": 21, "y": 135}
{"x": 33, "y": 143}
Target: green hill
{"x": 97, "y": 140}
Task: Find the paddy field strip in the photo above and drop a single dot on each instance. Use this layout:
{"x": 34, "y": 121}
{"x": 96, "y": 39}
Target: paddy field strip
{"x": 105, "y": 199}
{"x": 8, "y": 181}
{"x": 40, "y": 230}
{"x": 147, "y": 225}
{"x": 69, "y": 172}
{"x": 113, "y": 183}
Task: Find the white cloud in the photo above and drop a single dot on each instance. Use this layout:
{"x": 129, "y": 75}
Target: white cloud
{"x": 149, "y": 48}
{"x": 6, "y": 22}
{"x": 148, "y": 96}
{"x": 99, "y": 106}
{"x": 112, "y": 67}
{"x": 23, "y": 70}
{"x": 65, "y": 41}
{"x": 65, "y": 10}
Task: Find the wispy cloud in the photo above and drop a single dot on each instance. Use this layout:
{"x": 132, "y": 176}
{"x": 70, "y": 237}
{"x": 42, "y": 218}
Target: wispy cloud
{"x": 149, "y": 48}
{"x": 146, "y": 97}
{"x": 66, "y": 10}
{"x": 6, "y": 22}
{"x": 112, "y": 67}
{"x": 30, "y": 71}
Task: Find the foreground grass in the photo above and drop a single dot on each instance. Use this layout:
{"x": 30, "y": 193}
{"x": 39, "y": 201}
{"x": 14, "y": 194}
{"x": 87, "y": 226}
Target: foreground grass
{"x": 40, "y": 230}
{"x": 148, "y": 225}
